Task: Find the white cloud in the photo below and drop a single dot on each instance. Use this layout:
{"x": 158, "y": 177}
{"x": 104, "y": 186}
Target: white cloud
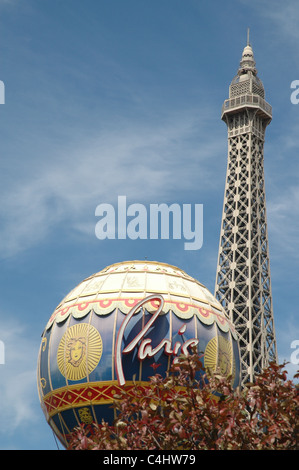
{"x": 283, "y": 220}
{"x": 145, "y": 163}
{"x": 287, "y": 335}
{"x": 18, "y": 392}
{"x": 285, "y": 15}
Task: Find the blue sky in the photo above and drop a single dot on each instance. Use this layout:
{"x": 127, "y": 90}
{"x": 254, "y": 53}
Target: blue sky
{"x": 123, "y": 97}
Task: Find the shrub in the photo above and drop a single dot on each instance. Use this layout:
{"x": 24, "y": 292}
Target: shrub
{"x": 193, "y": 410}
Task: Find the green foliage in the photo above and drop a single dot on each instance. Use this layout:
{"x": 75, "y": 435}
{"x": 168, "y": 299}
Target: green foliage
{"x": 184, "y": 412}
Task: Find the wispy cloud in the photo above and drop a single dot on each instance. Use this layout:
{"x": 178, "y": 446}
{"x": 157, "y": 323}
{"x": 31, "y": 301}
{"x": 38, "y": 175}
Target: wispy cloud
{"x": 285, "y": 15}
{"x": 18, "y": 396}
{"x": 287, "y": 335}
{"x": 143, "y": 162}
{"x": 283, "y": 219}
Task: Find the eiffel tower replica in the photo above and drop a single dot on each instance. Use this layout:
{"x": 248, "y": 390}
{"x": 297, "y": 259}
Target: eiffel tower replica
{"x": 243, "y": 285}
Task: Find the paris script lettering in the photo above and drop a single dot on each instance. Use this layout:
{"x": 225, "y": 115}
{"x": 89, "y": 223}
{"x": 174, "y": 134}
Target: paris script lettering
{"x": 145, "y": 348}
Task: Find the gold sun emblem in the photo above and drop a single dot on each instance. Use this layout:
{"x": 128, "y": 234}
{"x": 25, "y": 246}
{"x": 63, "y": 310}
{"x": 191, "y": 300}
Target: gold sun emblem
{"x": 219, "y": 356}
{"x": 79, "y": 351}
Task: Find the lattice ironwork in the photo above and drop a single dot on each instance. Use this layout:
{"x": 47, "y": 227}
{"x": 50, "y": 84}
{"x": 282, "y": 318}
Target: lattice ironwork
{"x": 243, "y": 284}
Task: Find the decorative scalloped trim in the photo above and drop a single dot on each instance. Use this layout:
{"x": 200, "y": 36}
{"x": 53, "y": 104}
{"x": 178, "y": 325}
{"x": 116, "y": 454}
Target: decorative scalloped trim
{"x": 183, "y": 310}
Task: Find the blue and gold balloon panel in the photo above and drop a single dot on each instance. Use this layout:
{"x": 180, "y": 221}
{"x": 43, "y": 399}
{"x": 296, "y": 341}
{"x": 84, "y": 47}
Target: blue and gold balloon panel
{"x": 93, "y": 346}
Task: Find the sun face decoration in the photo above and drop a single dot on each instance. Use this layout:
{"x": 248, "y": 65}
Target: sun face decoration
{"x": 79, "y": 351}
{"x": 219, "y": 355}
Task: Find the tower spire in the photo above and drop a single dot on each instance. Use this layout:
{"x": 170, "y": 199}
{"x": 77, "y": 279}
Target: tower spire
{"x": 243, "y": 284}
{"x": 248, "y": 31}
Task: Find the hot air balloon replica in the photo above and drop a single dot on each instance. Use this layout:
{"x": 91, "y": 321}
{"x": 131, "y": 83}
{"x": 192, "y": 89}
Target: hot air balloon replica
{"x": 109, "y": 332}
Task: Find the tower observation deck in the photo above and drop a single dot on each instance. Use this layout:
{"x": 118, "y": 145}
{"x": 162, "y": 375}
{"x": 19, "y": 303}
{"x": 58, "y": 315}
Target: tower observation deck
{"x": 243, "y": 285}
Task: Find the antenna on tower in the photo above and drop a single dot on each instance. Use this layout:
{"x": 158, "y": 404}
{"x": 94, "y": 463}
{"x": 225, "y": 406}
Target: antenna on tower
{"x": 248, "y": 30}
